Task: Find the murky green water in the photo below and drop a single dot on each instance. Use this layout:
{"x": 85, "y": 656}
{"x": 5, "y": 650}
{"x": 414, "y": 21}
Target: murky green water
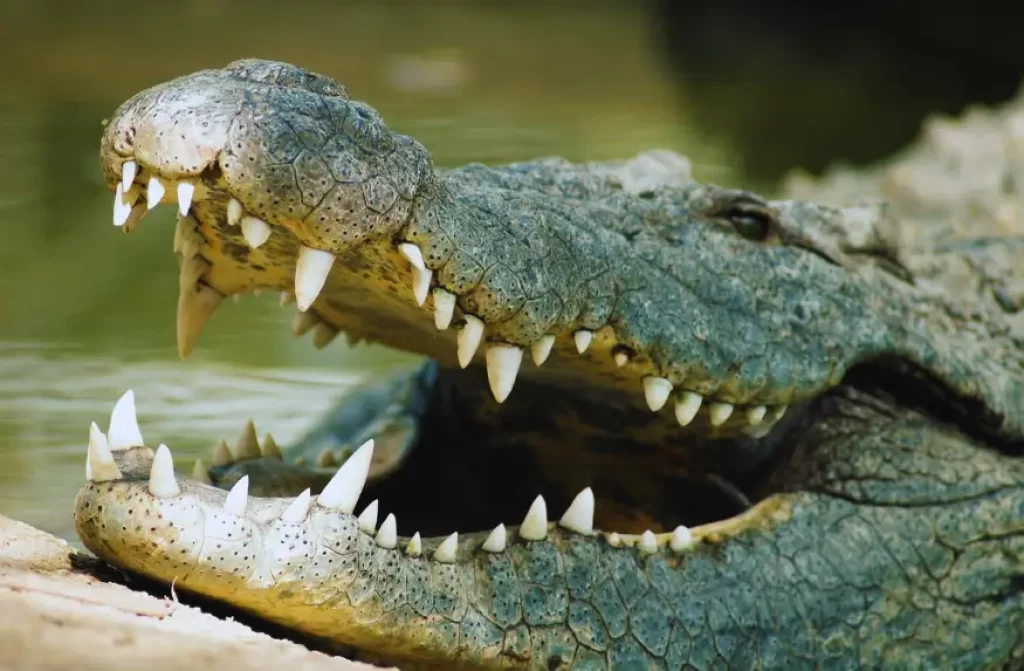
{"x": 86, "y": 312}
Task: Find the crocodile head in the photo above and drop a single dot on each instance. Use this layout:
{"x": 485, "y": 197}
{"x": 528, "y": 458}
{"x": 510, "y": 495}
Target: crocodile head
{"x": 670, "y": 324}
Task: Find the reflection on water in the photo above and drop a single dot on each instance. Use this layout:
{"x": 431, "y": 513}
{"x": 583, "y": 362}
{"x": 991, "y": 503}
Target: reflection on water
{"x": 87, "y": 312}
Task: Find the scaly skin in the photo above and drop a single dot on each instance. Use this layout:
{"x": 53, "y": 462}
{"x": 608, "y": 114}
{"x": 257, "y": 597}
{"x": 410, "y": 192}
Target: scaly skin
{"x": 889, "y": 497}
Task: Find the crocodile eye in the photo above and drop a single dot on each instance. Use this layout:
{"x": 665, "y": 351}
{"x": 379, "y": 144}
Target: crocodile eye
{"x": 753, "y": 225}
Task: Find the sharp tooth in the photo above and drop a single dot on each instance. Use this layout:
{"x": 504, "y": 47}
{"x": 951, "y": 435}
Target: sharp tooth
{"x": 496, "y": 540}
{"x": 415, "y": 546}
{"x": 304, "y": 321}
{"x": 287, "y": 298}
{"x": 687, "y": 405}
{"x": 186, "y": 190}
{"x": 123, "y": 431}
{"x": 162, "y": 483}
{"x": 755, "y": 414}
{"x": 719, "y": 413}
{"x": 122, "y": 207}
{"x": 648, "y": 542}
{"x": 255, "y": 231}
{"x": 234, "y": 504}
{"x": 469, "y": 339}
{"x": 681, "y": 539}
{"x": 621, "y": 358}
{"x": 234, "y": 212}
{"x": 444, "y": 308}
{"x": 200, "y": 473}
{"x": 368, "y": 518}
{"x": 323, "y": 335}
{"x": 155, "y": 191}
{"x": 196, "y": 302}
{"x": 420, "y": 273}
{"x": 535, "y": 524}
{"x": 222, "y": 454}
{"x": 128, "y": 170}
{"x": 656, "y": 391}
{"x": 100, "y": 460}
{"x": 583, "y": 338}
{"x": 270, "y": 449}
{"x": 342, "y": 492}
{"x": 614, "y": 539}
{"x": 311, "y": 272}
{"x": 777, "y": 413}
{"x": 448, "y": 550}
{"x": 580, "y": 515}
{"x": 541, "y": 349}
{"x": 325, "y": 459}
{"x": 297, "y": 509}
{"x": 248, "y": 445}
{"x": 387, "y": 537}
{"x": 503, "y": 363}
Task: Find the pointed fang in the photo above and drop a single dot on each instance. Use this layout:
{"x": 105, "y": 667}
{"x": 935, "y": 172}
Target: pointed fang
{"x": 387, "y": 537}
{"x": 542, "y": 348}
{"x": 368, "y": 518}
{"x": 580, "y": 515}
{"x": 100, "y": 460}
{"x": 255, "y": 231}
{"x": 583, "y": 338}
{"x": 234, "y": 504}
{"x": 719, "y": 413}
{"x": 234, "y": 212}
{"x": 648, "y": 542}
{"x": 185, "y": 192}
{"x": 343, "y": 491}
{"x": 469, "y": 340}
{"x": 200, "y": 473}
{"x": 162, "y": 483}
{"x": 155, "y": 191}
{"x": 755, "y": 414}
{"x": 270, "y": 449}
{"x": 656, "y": 391}
{"x": 444, "y": 308}
{"x": 448, "y": 550}
{"x": 687, "y": 405}
{"x": 222, "y": 454}
{"x": 503, "y": 363}
{"x": 311, "y": 272}
{"x": 681, "y": 539}
{"x": 415, "y": 546}
{"x": 123, "y": 431}
{"x": 128, "y": 170}
{"x": 297, "y": 509}
{"x": 496, "y": 540}
{"x": 535, "y": 524}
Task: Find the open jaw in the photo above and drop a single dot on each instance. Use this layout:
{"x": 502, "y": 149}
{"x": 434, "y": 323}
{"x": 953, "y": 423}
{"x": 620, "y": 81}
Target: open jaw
{"x": 633, "y": 288}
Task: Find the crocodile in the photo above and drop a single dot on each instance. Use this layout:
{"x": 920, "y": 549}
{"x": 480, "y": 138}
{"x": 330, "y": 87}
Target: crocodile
{"x": 782, "y": 433}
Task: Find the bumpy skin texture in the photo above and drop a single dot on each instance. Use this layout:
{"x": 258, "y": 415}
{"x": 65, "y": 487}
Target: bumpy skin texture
{"x": 888, "y": 528}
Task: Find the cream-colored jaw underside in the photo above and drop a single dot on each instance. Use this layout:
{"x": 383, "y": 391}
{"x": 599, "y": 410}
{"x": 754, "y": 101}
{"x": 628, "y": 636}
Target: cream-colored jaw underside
{"x": 383, "y": 291}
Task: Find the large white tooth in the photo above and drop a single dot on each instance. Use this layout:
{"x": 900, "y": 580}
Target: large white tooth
{"x": 687, "y": 405}
{"x": 186, "y": 190}
{"x": 387, "y": 537}
{"x": 535, "y": 524}
{"x": 155, "y": 191}
{"x": 304, "y": 321}
{"x": 681, "y": 539}
{"x": 222, "y": 454}
{"x": 503, "y": 363}
{"x": 415, "y": 546}
{"x": 719, "y": 413}
{"x": 614, "y": 539}
{"x": 200, "y": 473}
{"x": 583, "y": 338}
{"x": 255, "y": 231}
{"x": 248, "y": 444}
{"x": 323, "y": 335}
{"x": 496, "y": 540}
{"x": 656, "y": 391}
{"x": 162, "y": 483}
{"x": 196, "y": 303}
{"x": 343, "y": 491}
{"x": 621, "y": 358}
{"x": 420, "y": 273}
{"x": 128, "y": 170}
{"x": 123, "y": 431}
{"x": 580, "y": 515}
{"x": 311, "y": 272}
{"x": 297, "y": 509}
{"x": 234, "y": 212}
{"x": 444, "y": 308}
{"x": 542, "y": 348}
{"x": 270, "y": 449}
{"x": 234, "y": 504}
{"x": 100, "y": 460}
{"x": 755, "y": 414}
{"x": 448, "y": 550}
{"x": 122, "y": 208}
{"x": 413, "y": 254}
{"x": 469, "y": 339}
{"x": 648, "y": 542}
{"x": 367, "y": 519}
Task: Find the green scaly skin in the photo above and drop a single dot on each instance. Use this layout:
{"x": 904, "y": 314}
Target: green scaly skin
{"x": 888, "y": 500}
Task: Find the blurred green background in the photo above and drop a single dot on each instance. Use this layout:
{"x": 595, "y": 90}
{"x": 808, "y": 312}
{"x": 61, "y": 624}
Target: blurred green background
{"x": 86, "y": 312}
